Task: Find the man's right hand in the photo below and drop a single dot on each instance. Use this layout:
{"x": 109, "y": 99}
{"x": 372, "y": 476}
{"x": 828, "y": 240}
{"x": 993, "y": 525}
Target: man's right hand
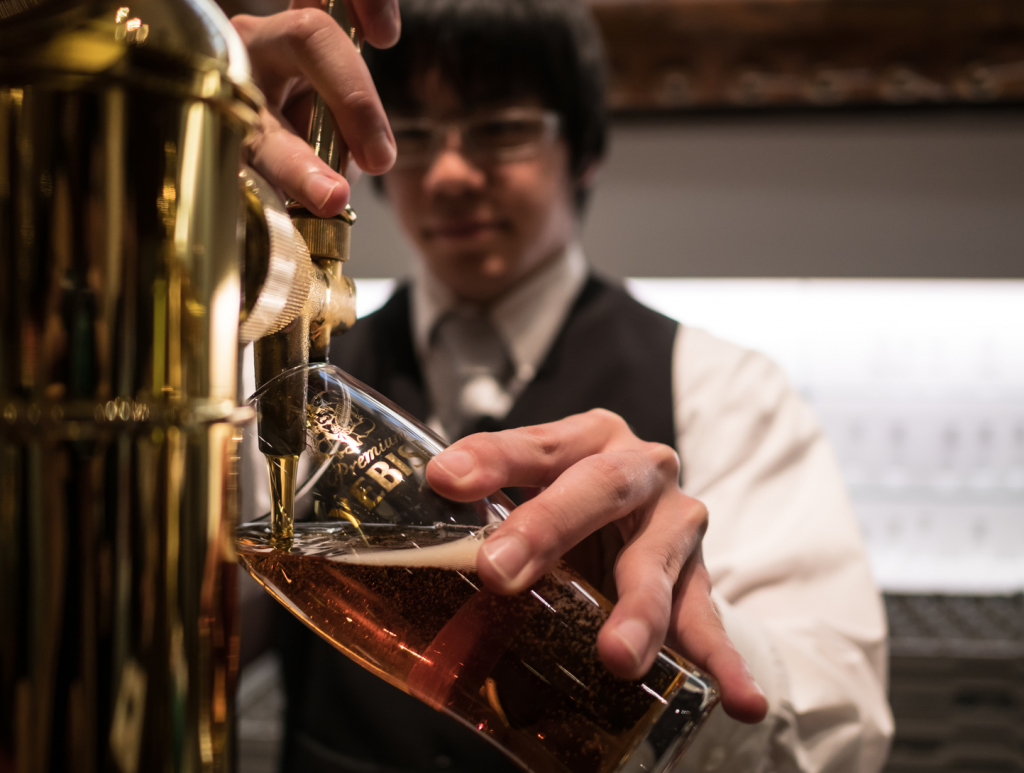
{"x": 301, "y": 51}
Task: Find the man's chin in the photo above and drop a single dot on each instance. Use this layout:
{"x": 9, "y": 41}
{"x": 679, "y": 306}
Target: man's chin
{"x": 479, "y": 278}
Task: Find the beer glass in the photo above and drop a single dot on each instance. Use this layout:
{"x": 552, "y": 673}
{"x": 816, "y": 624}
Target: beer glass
{"x": 384, "y": 569}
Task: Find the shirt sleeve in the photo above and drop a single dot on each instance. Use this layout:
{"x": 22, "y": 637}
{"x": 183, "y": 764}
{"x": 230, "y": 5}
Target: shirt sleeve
{"x": 789, "y": 570}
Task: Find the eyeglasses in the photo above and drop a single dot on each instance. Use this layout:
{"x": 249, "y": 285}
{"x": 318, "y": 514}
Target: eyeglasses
{"x": 514, "y": 134}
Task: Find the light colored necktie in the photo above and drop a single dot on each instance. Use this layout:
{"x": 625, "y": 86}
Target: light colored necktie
{"x": 467, "y": 372}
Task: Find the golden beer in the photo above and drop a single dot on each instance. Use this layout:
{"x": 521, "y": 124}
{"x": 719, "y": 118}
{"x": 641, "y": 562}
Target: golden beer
{"x": 406, "y": 603}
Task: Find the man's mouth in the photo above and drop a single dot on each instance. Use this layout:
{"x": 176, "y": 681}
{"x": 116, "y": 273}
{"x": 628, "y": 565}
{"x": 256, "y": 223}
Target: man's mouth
{"x": 461, "y": 229}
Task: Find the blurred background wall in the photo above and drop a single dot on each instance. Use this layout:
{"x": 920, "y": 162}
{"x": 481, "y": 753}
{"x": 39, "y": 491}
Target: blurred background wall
{"x": 919, "y": 193}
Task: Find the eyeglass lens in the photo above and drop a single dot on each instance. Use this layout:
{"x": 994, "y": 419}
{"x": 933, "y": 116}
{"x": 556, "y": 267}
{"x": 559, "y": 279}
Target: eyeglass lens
{"x": 492, "y": 137}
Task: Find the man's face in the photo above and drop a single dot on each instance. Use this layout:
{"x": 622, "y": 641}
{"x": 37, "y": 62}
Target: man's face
{"x": 483, "y": 224}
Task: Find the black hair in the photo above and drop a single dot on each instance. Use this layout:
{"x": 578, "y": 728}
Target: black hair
{"x": 500, "y": 51}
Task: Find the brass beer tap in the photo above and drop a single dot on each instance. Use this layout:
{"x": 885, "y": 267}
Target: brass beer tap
{"x": 121, "y": 133}
{"x": 329, "y": 306}
{"x": 125, "y": 292}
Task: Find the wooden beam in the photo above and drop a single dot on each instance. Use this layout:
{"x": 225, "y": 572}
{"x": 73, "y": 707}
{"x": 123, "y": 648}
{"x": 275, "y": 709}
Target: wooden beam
{"x": 713, "y": 54}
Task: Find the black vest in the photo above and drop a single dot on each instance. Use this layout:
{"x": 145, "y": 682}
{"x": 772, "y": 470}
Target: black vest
{"x": 611, "y": 353}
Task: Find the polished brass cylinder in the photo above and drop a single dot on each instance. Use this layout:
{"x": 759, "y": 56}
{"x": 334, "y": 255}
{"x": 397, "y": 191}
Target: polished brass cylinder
{"x": 120, "y": 136}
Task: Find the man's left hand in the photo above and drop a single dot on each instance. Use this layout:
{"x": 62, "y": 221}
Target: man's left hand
{"x": 595, "y": 471}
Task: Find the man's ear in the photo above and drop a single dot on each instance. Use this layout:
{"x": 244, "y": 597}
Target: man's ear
{"x": 584, "y": 185}
{"x": 588, "y": 176}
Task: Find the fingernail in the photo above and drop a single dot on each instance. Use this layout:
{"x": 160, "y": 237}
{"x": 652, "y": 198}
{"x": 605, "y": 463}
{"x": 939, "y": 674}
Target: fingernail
{"x": 380, "y": 152}
{"x": 319, "y": 188}
{"x": 458, "y": 464}
{"x": 635, "y": 634}
{"x": 508, "y": 554}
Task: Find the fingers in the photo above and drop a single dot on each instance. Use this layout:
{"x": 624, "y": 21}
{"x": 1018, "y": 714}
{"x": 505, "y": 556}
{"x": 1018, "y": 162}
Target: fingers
{"x": 290, "y": 164}
{"x": 588, "y": 486}
{"x": 597, "y": 472}
{"x": 306, "y": 42}
{"x": 478, "y": 465}
{"x": 379, "y": 21}
{"x": 646, "y": 574}
{"x": 702, "y": 638}
{"x": 595, "y": 491}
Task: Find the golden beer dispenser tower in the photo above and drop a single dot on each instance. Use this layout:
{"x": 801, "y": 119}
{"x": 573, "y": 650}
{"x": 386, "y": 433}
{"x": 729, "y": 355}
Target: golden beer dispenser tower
{"x": 123, "y": 279}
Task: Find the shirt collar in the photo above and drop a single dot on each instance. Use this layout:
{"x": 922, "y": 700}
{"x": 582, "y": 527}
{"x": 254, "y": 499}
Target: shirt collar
{"x": 528, "y": 318}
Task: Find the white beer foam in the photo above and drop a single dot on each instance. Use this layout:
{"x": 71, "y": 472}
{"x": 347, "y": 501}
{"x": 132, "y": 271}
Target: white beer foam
{"x": 459, "y": 555}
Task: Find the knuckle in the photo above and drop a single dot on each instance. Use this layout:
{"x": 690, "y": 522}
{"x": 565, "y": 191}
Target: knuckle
{"x": 697, "y": 515}
{"x": 658, "y": 577}
{"x": 360, "y": 103}
{"x": 668, "y": 559}
{"x": 256, "y": 147}
{"x": 546, "y": 514}
{"x": 618, "y": 484}
{"x": 664, "y": 458}
{"x": 543, "y": 439}
{"x": 610, "y": 422}
{"x": 302, "y": 25}
{"x": 265, "y": 152}
{"x": 278, "y": 159}
{"x": 243, "y": 24}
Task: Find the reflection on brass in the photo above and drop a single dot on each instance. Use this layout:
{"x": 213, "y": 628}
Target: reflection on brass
{"x": 282, "y": 471}
{"x": 130, "y": 30}
{"x": 14, "y": 7}
{"x": 327, "y": 237}
{"x": 127, "y": 724}
{"x": 337, "y": 308}
{"x": 120, "y": 139}
{"x": 278, "y": 271}
{"x": 322, "y": 135}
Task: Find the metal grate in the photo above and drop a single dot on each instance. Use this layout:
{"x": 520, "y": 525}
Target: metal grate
{"x": 970, "y": 626}
{"x": 957, "y": 683}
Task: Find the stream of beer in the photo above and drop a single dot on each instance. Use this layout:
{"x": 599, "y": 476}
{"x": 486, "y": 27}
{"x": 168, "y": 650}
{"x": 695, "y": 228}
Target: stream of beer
{"x": 282, "y": 470}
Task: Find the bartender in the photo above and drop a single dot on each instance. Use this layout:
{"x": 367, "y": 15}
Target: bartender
{"x": 626, "y": 428}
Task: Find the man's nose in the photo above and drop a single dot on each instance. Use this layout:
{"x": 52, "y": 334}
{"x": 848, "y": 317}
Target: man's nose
{"x": 450, "y": 171}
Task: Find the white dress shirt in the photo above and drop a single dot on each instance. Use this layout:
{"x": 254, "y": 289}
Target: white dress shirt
{"x": 790, "y": 574}
{"x": 527, "y": 319}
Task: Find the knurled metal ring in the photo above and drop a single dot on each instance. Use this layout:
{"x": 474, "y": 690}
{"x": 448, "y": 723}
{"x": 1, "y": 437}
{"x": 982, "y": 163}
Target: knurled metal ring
{"x": 289, "y": 268}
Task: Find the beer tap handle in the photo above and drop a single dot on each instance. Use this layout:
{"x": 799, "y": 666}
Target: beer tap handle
{"x": 329, "y": 238}
{"x": 322, "y": 135}
{"x": 328, "y": 306}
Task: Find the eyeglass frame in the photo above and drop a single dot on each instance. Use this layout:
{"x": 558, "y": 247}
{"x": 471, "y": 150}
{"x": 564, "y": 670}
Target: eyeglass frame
{"x": 441, "y": 130}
